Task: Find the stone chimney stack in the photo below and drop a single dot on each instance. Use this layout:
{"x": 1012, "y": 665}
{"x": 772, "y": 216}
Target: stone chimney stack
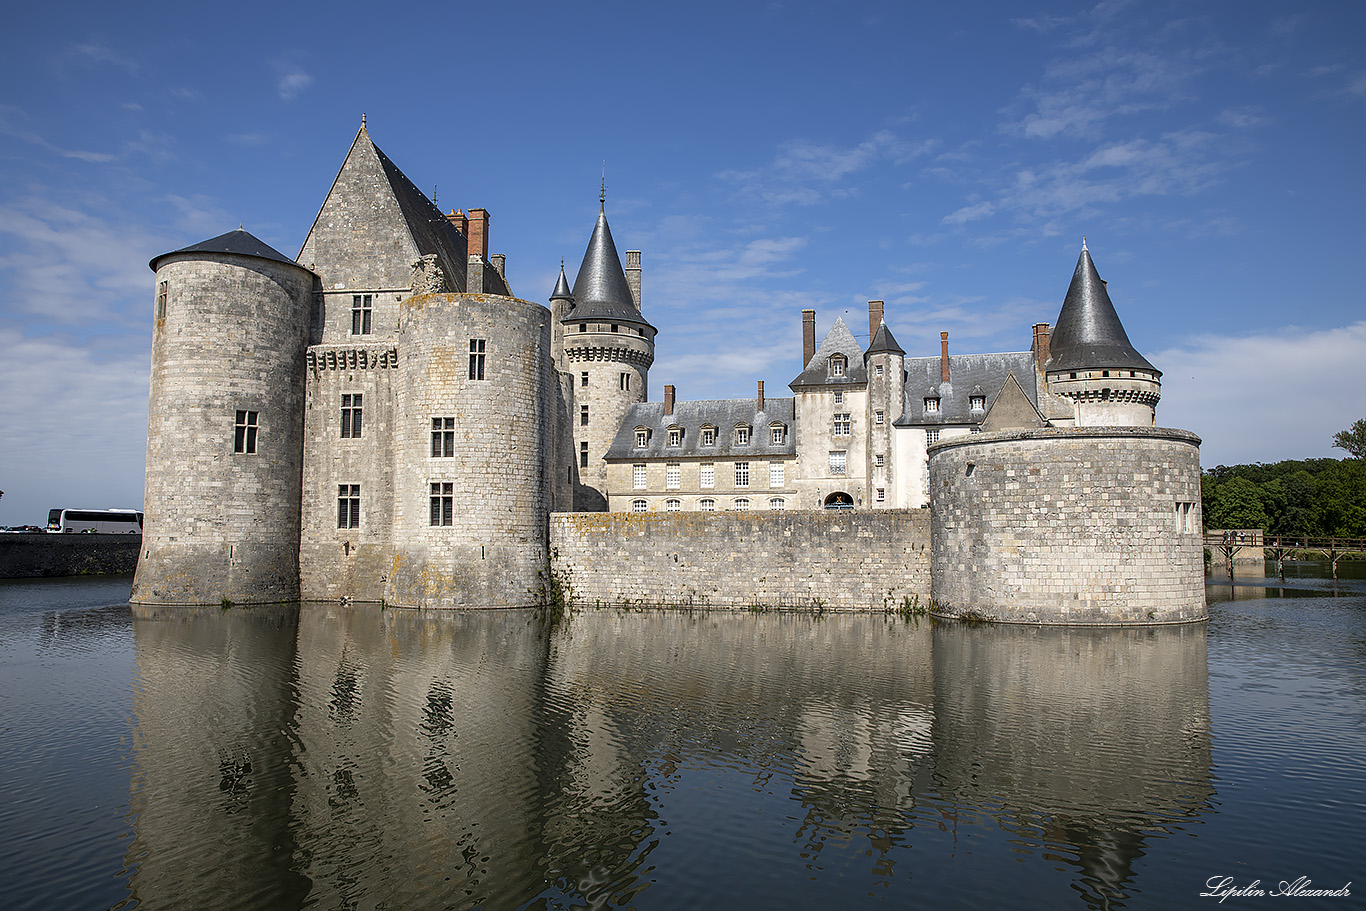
{"x": 632, "y": 271}
{"x": 874, "y": 318}
{"x": 1042, "y": 334}
{"x": 479, "y": 233}
{"x": 943, "y": 357}
{"x": 668, "y": 400}
{"x": 760, "y": 402}
{"x": 808, "y": 336}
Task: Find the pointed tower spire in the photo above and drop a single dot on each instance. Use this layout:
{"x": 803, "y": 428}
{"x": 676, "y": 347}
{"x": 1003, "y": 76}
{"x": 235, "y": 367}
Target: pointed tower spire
{"x": 1088, "y": 333}
{"x": 601, "y": 289}
{"x": 562, "y": 291}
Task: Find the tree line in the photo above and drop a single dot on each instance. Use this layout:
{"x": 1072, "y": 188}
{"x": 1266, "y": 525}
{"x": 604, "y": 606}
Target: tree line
{"x": 1315, "y": 497}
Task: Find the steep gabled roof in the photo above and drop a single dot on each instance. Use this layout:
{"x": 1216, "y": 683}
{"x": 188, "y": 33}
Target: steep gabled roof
{"x": 239, "y": 242}
{"x": 600, "y": 288}
{"x": 374, "y": 224}
{"x": 839, "y": 340}
{"x": 1088, "y": 333}
{"x": 562, "y": 291}
{"x": 691, "y": 417}
{"x": 1012, "y": 409}
{"x": 969, "y": 375}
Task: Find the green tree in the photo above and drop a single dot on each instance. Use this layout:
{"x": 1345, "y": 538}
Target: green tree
{"x": 1353, "y": 439}
{"x": 1237, "y": 503}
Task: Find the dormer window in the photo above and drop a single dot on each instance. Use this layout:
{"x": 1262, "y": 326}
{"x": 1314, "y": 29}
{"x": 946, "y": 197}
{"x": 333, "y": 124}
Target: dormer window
{"x": 642, "y": 438}
{"x": 978, "y": 402}
{"x": 932, "y": 405}
{"x": 742, "y": 435}
{"x": 675, "y": 436}
{"x": 708, "y": 436}
{"x": 837, "y": 365}
{"x": 777, "y": 433}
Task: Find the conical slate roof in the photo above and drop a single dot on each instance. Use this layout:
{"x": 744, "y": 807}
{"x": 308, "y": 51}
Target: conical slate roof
{"x": 242, "y": 243}
{"x": 1088, "y": 334}
{"x": 883, "y": 342}
{"x": 600, "y": 289}
{"x": 561, "y": 291}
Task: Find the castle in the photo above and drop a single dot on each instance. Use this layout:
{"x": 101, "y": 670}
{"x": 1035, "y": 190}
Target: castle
{"x": 381, "y": 419}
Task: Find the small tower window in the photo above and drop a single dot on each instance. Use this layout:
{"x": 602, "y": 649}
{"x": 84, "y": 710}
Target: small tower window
{"x": 161, "y": 300}
{"x": 348, "y": 506}
{"x": 442, "y": 503}
{"x": 477, "y": 358}
{"x": 583, "y": 327}
{"x": 624, "y": 381}
{"x": 614, "y": 327}
{"x": 583, "y": 379}
{"x": 878, "y": 417}
{"x": 583, "y": 415}
{"x": 351, "y": 416}
{"x": 877, "y": 370}
{"x": 443, "y": 438}
{"x": 931, "y": 405}
{"x": 360, "y": 314}
{"x": 583, "y": 455}
{"x": 244, "y": 436}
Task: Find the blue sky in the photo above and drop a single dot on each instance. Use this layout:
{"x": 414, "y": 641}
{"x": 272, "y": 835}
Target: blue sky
{"x": 766, "y": 157}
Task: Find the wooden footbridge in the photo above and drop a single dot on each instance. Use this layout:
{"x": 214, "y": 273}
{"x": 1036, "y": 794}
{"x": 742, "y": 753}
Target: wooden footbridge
{"x": 1280, "y": 548}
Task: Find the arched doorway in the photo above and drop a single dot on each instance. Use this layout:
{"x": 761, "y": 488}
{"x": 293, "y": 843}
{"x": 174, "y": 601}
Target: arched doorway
{"x": 839, "y": 500}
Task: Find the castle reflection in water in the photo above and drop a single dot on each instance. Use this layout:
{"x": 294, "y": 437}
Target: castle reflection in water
{"x": 355, "y": 757}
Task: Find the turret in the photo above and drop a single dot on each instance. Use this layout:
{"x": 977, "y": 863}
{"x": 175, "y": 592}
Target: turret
{"x": 1091, "y": 361}
{"x": 885, "y": 360}
{"x": 225, "y": 433}
{"x": 608, "y": 348}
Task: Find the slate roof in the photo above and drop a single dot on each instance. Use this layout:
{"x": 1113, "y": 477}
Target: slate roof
{"x": 969, "y": 375}
{"x": 600, "y": 288}
{"x": 839, "y": 340}
{"x": 239, "y": 242}
{"x": 723, "y": 414}
{"x": 562, "y": 291}
{"x": 883, "y": 342}
{"x": 1088, "y": 333}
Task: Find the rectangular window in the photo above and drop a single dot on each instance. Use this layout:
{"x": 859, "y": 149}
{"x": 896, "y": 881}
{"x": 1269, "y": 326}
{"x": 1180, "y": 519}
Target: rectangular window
{"x": 583, "y": 327}
{"x": 443, "y": 503}
{"x": 624, "y": 381}
{"x": 741, "y": 474}
{"x": 477, "y": 358}
{"x": 878, "y": 370}
{"x": 932, "y": 436}
{"x": 707, "y": 505}
{"x": 583, "y": 379}
{"x": 360, "y": 314}
{"x": 882, "y": 494}
{"x": 931, "y": 406}
{"x": 778, "y": 435}
{"x": 742, "y": 436}
{"x": 673, "y": 476}
{"x": 638, "y": 476}
{"x": 708, "y": 436}
{"x": 583, "y": 455}
{"x": 673, "y": 505}
{"x": 879, "y": 460}
{"x": 838, "y": 462}
{"x": 161, "y": 300}
{"x": 348, "y": 506}
{"x": 443, "y": 438}
{"x": 877, "y": 417}
{"x": 707, "y": 474}
{"x": 839, "y": 398}
{"x": 775, "y": 474}
{"x": 640, "y": 506}
{"x": 350, "y": 416}
{"x": 583, "y": 415}
{"x": 842, "y": 424}
{"x": 675, "y": 436}
{"x": 244, "y": 437}
{"x": 642, "y": 438}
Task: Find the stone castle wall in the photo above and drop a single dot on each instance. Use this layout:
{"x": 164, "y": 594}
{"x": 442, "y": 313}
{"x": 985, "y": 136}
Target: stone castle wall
{"x": 1074, "y": 526}
{"x": 223, "y": 525}
{"x": 29, "y": 555}
{"x": 846, "y": 560}
{"x": 493, "y": 552}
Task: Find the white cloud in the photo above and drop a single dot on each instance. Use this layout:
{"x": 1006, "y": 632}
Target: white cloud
{"x": 805, "y": 173}
{"x": 969, "y": 213}
{"x": 1265, "y": 397}
{"x": 292, "y": 85}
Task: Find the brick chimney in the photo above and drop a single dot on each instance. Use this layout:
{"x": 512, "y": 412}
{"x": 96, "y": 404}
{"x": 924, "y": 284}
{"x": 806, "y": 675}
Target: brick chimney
{"x": 760, "y": 403}
{"x": 479, "y": 233}
{"x": 457, "y": 218}
{"x": 808, "y": 336}
{"x": 874, "y": 318}
{"x": 668, "y": 400}
{"x": 1043, "y": 333}
{"x": 944, "y": 357}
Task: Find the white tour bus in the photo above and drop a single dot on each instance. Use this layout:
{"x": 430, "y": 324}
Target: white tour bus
{"x": 95, "y": 521}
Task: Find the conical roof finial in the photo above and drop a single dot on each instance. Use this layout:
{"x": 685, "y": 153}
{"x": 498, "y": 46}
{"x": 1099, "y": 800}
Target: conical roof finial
{"x": 1083, "y": 242}
{"x": 602, "y": 194}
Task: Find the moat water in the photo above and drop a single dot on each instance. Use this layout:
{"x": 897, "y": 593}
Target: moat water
{"x": 348, "y": 757}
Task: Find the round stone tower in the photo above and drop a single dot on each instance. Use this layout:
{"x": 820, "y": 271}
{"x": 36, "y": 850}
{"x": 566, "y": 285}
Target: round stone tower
{"x": 608, "y": 348}
{"x": 1091, "y": 361}
{"x": 225, "y": 426}
{"x": 475, "y": 411}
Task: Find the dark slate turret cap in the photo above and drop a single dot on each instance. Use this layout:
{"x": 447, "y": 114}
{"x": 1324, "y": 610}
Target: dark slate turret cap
{"x": 240, "y": 242}
{"x": 600, "y": 289}
{"x": 1088, "y": 333}
{"x": 561, "y": 291}
{"x": 883, "y": 342}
